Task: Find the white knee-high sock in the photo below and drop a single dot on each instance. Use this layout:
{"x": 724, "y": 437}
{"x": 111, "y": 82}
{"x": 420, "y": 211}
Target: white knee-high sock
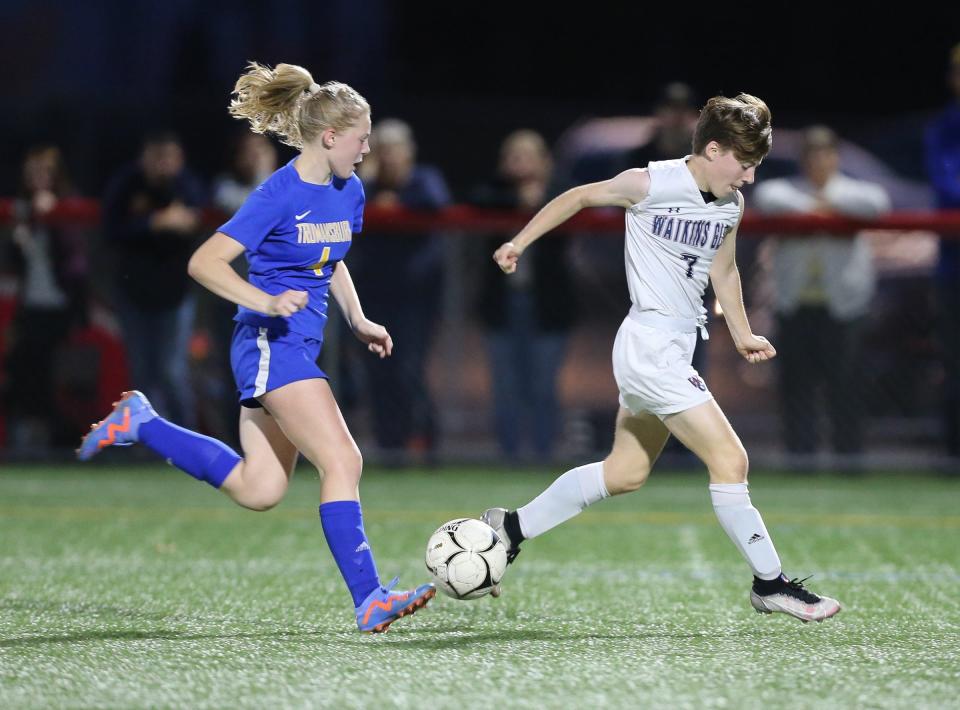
{"x": 743, "y": 524}
{"x": 567, "y": 496}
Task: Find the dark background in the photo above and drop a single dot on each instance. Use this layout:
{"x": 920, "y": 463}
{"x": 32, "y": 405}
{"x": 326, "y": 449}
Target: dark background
{"x": 93, "y": 76}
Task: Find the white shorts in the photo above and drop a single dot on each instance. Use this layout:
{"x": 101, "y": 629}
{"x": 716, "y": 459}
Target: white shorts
{"x": 653, "y": 371}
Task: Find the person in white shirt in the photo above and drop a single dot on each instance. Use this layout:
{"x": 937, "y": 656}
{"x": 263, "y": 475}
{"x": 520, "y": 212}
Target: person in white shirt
{"x": 824, "y": 285}
{"x": 681, "y": 225}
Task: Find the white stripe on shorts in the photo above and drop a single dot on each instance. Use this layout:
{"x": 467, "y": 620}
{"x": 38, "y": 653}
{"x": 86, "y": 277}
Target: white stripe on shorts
{"x": 263, "y": 371}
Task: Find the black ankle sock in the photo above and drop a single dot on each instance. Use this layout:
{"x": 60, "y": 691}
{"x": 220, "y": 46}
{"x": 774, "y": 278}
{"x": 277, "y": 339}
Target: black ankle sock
{"x": 511, "y": 523}
{"x": 767, "y": 586}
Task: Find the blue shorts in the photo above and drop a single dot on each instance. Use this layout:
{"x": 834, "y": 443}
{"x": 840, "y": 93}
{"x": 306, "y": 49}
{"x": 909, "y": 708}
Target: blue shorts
{"x": 265, "y": 359}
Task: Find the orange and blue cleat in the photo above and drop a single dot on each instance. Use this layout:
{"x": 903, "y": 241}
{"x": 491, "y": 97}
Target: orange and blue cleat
{"x": 382, "y": 606}
{"x": 120, "y": 428}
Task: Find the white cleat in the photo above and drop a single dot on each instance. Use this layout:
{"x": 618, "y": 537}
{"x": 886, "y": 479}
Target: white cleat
{"x": 494, "y": 518}
{"x": 795, "y": 600}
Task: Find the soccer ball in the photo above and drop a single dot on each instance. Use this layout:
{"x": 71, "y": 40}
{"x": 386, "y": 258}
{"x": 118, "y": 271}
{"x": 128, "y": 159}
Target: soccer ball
{"x": 466, "y": 558}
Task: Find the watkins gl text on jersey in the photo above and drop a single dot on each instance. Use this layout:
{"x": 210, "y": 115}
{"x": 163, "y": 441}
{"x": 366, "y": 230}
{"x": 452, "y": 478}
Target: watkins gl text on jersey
{"x": 672, "y": 236}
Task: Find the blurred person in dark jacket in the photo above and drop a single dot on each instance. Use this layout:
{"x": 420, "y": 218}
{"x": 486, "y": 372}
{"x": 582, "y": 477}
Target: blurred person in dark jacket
{"x": 527, "y": 316}
{"x": 151, "y": 226}
{"x": 400, "y": 277}
{"x": 676, "y": 113}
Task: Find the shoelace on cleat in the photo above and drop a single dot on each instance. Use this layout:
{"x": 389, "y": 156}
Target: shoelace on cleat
{"x": 796, "y": 589}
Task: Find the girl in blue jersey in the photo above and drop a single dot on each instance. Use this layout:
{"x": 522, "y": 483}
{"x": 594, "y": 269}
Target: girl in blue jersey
{"x": 295, "y": 230}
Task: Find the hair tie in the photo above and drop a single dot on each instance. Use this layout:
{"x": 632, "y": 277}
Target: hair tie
{"x": 313, "y": 88}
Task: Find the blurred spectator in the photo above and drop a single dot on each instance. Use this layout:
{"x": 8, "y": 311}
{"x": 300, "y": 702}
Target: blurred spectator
{"x": 824, "y": 286}
{"x": 527, "y": 315}
{"x": 151, "y": 225}
{"x": 676, "y": 113}
{"x": 51, "y": 262}
{"x": 400, "y": 279}
{"x": 943, "y": 165}
{"x": 253, "y": 160}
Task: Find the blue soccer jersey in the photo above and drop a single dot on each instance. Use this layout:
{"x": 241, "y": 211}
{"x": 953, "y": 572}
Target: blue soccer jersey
{"x": 295, "y": 232}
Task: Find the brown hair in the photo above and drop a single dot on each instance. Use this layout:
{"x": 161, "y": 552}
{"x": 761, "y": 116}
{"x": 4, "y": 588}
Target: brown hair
{"x": 286, "y": 102}
{"x": 741, "y": 124}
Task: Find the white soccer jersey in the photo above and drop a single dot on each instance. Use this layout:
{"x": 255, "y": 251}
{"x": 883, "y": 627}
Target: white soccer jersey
{"x": 672, "y": 237}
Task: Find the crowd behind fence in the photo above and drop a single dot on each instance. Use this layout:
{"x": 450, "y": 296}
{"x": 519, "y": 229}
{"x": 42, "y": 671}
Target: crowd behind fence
{"x": 846, "y": 266}
{"x": 899, "y": 369}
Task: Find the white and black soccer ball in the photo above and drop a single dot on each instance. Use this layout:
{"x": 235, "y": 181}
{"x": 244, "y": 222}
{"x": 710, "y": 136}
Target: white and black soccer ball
{"x": 466, "y": 558}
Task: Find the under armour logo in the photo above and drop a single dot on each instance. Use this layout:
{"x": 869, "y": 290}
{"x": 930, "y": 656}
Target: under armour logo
{"x": 698, "y": 383}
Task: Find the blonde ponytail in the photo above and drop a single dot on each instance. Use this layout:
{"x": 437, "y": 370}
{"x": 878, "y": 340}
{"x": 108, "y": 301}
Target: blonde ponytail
{"x": 288, "y": 103}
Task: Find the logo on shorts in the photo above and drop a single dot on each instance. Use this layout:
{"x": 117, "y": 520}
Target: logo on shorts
{"x": 698, "y": 383}
{"x": 756, "y": 537}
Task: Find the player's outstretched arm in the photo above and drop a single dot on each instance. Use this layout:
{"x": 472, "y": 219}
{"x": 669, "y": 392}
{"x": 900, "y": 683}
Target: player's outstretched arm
{"x": 210, "y": 267}
{"x": 625, "y": 190}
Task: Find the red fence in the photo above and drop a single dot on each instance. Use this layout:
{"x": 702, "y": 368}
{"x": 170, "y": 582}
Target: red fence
{"x": 84, "y": 212}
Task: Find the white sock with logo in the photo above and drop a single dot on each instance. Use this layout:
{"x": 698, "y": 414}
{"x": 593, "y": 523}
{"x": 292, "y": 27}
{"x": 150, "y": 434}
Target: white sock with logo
{"x": 567, "y": 496}
{"x": 743, "y": 524}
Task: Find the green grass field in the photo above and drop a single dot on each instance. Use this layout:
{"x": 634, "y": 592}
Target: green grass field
{"x": 136, "y": 587}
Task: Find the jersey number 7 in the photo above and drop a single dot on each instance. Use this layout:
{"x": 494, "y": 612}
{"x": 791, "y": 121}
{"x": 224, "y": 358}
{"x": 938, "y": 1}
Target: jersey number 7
{"x": 691, "y": 259}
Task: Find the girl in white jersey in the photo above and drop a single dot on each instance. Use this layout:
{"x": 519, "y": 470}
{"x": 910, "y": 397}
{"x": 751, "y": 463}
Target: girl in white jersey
{"x": 681, "y": 226}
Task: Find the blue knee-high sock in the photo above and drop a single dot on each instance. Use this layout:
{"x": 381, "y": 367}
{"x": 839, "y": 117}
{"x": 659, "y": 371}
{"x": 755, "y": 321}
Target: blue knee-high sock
{"x": 342, "y": 523}
{"x": 203, "y": 457}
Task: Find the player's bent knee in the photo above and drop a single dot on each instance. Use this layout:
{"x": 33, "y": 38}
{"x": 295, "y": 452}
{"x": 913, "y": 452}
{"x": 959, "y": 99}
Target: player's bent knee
{"x": 255, "y": 488}
{"x": 263, "y": 498}
{"x": 259, "y": 505}
{"x": 624, "y": 479}
{"x": 731, "y": 468}
{"x": 632, "y": 482}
